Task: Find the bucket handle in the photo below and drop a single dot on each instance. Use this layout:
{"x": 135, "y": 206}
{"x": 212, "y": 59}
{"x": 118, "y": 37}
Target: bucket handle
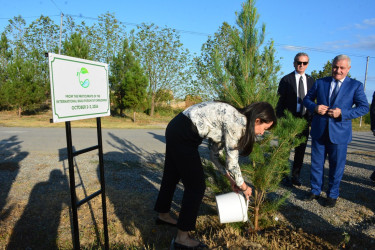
{"x": 247, "y": 206}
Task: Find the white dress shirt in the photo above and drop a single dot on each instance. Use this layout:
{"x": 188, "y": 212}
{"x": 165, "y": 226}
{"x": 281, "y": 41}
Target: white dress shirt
{"x": 298, "y": 76}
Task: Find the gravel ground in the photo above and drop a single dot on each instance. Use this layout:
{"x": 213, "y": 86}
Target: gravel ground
{"x": 21, "y": 172}
{"x": 353, "y": 214}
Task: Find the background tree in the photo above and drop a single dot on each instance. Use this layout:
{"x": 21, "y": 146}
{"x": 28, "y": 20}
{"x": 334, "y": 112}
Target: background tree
{"x": 5, "y": 58}
{"x": 325, "y": 72}
{"x": 106, "y": 37}
{"x": 128, "y": 80}
{"x": 70, "y": 27}
{"x": 15, "y": 32}
{"x": 76, "y": 46}
{"x": 166, "y": 62}
{"x": 21, "y": 89}
{"x": 42, "y": 36}
{"x": 204, "y": 69}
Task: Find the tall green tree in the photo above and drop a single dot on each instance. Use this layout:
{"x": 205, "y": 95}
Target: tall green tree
{"x": 22, "y": 90}
{"x": 128, "y": 80}
{"x": 106, "y": 37}
{"x": 15, "y": 31}
{"x": 41, "y": 36}
{"x": 5, "y": 58}
{"x": 246, "y": 72}
{"x": 241, "y": 66}
{"x": 165, "y": 60}
{"x": 76, "y": 46}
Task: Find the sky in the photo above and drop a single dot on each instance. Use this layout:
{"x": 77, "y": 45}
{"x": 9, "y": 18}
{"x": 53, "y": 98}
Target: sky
{"x": 322, "y": 29}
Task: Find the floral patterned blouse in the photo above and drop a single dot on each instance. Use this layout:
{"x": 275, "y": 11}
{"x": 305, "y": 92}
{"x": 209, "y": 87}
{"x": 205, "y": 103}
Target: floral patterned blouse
{"x": 224, "y": 126}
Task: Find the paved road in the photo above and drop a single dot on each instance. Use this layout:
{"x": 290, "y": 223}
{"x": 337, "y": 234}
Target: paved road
{"x": 151, "y": 141}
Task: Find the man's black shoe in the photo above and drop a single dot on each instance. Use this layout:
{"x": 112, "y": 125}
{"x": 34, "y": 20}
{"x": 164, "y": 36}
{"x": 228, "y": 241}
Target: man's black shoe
{"x": 330, "y": 202}
{"x": 296, "y": 182}
{"x": 311, "y": 197}
{"x": 372, "y": 177}
{"x": 286, "y": 182}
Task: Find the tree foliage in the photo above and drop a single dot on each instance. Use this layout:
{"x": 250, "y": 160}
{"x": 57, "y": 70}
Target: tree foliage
{"x": 237, "y": 65}
{"x": 106, "y": 37}
{"x": 128, "y": 80}
{"x": 325, "y": 72}
{"x": 164, "y": 59}
{"x": 241, "y": 68}
{"x": 76, "y": 46}
{"x": 159, "y": 51}
{"x": 22, "y": 90}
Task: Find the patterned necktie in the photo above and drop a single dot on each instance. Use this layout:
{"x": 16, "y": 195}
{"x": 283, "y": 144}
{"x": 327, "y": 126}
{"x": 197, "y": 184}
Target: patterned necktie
{"x": 301, "y": 93}
{"x": 334, "y": 92}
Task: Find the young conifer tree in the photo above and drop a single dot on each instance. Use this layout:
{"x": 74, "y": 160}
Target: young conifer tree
{"x": 248, "y": 74}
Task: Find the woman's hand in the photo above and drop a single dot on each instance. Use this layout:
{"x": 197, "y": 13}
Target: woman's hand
{"x": 235, "y": 188}
{"x": 247, "y": 191}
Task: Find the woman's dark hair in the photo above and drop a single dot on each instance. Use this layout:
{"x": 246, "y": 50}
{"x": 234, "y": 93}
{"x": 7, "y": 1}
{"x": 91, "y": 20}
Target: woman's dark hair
{"x": 262, "y": 110}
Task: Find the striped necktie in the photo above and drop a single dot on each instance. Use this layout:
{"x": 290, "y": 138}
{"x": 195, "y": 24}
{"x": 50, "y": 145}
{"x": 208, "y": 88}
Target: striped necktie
{"x": 301, "y": 93}
{"x": 334, "y": 92}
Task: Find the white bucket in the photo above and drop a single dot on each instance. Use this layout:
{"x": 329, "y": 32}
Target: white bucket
{"x": 232, "y": 207}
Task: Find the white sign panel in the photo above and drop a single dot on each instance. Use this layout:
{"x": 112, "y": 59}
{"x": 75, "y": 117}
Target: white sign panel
{"x": 79, "y": 88}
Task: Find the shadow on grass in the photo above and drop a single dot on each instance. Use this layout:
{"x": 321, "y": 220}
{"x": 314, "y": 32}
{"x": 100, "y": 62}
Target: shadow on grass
{"x": 10, "y": 155}
{"x": 38, "y": 225}
{"x": 133, "y": 176}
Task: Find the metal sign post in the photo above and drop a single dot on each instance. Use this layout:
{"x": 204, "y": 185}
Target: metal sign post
{"x": 80, "y": 90}
{"x": 73, "y": 195}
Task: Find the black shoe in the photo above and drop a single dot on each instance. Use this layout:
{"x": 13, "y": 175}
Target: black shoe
{"x": 286, "y": 182}
{"x": 296, "y": 182}
{"x": 311, "y": 197}
{"x": 372, "y": 177}
{"x": 159, "y": 221}
{"x": 330, "y": 202}
{"x": 180, "y": 246}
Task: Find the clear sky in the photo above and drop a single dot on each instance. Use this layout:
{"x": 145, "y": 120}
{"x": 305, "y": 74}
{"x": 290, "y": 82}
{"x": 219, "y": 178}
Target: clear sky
{"x": 323, "y": 29}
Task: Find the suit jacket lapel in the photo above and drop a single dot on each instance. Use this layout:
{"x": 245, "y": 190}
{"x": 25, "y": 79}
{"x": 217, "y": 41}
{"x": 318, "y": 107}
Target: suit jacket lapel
{"x": 294, "y": 83}
{"x": 326, "y": 89}
{"x": 345, "y": 84}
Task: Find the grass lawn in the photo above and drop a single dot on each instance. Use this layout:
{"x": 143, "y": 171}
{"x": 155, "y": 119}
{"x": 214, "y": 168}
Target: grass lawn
{"x": 42, "y": 119}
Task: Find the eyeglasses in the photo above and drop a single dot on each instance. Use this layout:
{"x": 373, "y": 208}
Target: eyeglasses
{"x": 304, "y": 63}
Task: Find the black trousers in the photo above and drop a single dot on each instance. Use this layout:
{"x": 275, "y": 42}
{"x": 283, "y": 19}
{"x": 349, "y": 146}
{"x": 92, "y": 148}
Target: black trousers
{"x": 182, "y": 162}
{"x": 299, "y": 152}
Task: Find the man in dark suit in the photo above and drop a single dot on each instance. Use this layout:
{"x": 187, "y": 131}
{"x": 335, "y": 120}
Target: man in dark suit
{"x": 372, "y": 116}
{"x": 292, "y": 89}
{"x": 339, "y": 99}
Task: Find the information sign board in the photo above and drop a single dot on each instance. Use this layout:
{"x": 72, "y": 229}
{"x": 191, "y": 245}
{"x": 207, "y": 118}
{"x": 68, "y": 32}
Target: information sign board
{"x": 79, "y": 88}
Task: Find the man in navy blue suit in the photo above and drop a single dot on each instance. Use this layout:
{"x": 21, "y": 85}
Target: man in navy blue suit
{"x": 372, "y": 116}
{"x": 339, "y": 99}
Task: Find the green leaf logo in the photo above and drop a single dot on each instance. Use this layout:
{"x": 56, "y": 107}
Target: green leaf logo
{"x": 85, "y": 81}
{"x": 84, "y": 71}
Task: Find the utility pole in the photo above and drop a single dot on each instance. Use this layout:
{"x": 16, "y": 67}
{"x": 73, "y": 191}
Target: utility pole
{"x": 364, "y": 87}
{"x": 61, "y": 24}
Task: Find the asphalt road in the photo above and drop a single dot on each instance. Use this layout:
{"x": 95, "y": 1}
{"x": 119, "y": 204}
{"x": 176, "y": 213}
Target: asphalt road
{"x": 151, "y": 141}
